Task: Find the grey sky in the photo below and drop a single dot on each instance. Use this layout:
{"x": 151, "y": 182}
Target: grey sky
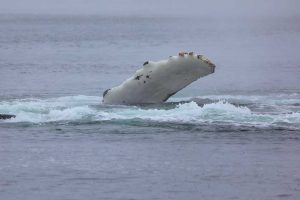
{"x": 153, "y": 7}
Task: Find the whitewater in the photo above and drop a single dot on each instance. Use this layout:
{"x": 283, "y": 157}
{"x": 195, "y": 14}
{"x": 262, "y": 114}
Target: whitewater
{"x": 272, "y": 111}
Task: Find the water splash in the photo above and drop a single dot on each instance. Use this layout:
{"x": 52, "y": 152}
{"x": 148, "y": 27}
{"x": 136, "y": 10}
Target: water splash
{"x": 88, "y": 109}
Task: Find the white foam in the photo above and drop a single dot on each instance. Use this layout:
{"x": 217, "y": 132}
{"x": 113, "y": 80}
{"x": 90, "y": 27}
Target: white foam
{"x": 271, "y": 99}
{"x": 210, "y": 113}
{"x": 52, "y": 109}
{"x": 78, "y": 108}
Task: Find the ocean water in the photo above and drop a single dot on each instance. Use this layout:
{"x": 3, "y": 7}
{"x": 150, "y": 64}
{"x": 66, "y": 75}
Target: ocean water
{"x": 234, "y": 134}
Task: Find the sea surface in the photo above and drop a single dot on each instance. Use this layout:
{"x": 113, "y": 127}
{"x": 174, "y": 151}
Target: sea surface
{"x": 234, "y": 134}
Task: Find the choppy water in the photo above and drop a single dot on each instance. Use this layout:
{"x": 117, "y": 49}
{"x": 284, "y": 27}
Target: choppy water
{"x": 231, "y": 135}
{"x": 248, "y": 112}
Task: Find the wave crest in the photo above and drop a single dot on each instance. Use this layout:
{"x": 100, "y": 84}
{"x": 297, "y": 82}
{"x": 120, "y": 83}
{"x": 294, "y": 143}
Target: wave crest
{"x": 88, "y": 109}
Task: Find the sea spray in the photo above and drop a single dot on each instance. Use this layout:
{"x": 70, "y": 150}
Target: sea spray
{"x": 82, "y": 109}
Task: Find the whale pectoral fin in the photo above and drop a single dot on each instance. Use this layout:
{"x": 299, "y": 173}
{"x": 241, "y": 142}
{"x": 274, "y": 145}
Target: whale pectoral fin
{"x": 157, "y": 81}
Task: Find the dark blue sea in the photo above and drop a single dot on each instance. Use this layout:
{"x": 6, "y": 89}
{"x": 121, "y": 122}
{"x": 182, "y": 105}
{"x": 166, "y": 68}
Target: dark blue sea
{"x": 234, "y": 134}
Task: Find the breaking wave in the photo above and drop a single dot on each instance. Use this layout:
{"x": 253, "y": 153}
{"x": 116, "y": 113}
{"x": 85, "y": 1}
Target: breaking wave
{"x": 234, "y": 110}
